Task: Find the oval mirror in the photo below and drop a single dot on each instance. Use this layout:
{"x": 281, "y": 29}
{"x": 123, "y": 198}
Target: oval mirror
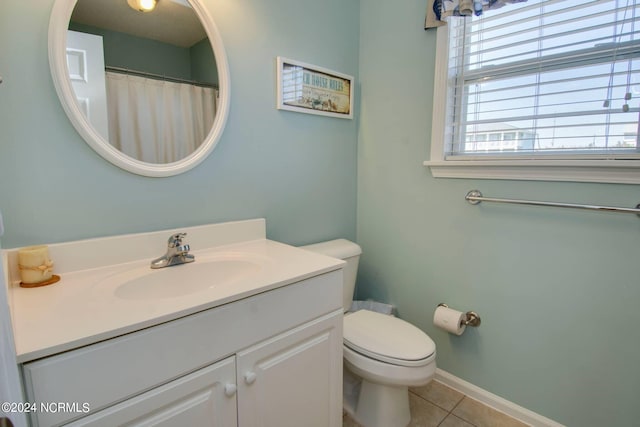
{"x": 147, "y": 90}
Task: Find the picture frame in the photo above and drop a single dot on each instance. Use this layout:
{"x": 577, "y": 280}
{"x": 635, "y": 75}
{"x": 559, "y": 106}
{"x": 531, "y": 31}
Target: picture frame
{"x": 309, "y": 89}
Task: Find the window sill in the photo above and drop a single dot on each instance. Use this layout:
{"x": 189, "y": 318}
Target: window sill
{"x": 605, "y": 171}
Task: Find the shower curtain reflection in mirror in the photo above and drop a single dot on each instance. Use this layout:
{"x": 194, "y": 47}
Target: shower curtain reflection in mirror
{"x": 158, "y": 121}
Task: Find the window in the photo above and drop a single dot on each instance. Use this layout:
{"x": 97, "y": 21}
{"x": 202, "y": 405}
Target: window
{"x": 546, "y": 89}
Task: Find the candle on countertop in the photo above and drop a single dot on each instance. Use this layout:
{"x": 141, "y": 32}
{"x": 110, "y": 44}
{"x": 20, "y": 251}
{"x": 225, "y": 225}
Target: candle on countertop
{"x": 34, "y": 264}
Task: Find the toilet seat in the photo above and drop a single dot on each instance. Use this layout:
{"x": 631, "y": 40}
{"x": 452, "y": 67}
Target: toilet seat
{"x": 387, "y": 339}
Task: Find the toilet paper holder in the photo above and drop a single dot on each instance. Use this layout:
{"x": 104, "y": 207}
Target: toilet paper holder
{"x": 472, "y": 318}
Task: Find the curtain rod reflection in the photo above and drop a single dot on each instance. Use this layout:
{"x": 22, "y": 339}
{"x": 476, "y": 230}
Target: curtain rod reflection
{"x": 158, "y": 77}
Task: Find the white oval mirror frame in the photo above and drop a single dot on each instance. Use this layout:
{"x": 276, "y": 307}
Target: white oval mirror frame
{"x": 58, "y": 25}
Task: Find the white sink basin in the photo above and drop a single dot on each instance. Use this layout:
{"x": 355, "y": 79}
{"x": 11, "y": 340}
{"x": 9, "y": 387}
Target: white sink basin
{"x": 144, "y": 283}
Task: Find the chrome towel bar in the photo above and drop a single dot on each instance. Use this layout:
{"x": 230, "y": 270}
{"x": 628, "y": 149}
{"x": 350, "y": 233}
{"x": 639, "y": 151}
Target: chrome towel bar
{"x": 475, "y": 197}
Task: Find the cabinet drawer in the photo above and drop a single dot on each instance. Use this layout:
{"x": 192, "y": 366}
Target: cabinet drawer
{"x": 111, "y": 371}
{"x": 197, "y": 399}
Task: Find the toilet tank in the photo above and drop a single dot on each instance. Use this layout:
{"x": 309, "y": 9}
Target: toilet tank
{"x": 345, "y": 250}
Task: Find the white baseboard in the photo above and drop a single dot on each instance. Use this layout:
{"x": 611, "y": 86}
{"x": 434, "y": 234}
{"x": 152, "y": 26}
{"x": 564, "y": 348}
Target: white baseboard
{"x": 495, "y": 402}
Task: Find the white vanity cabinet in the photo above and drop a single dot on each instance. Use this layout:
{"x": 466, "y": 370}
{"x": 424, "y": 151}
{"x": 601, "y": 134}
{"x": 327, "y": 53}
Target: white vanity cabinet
{"x": 291, "y": 380}
{"x": 272, "y": 360}
{"x": 206, "y": 397}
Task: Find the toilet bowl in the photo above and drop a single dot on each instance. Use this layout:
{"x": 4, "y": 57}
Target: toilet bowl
{"x": 383, "y": 355}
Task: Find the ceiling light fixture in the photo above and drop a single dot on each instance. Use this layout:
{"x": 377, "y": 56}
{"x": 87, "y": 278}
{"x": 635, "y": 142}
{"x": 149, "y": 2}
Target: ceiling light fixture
{"x": 142, "y": 5}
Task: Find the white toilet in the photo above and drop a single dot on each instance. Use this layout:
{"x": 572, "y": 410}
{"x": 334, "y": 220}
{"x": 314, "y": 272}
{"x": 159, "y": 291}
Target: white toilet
{"x": 383, "y": 355}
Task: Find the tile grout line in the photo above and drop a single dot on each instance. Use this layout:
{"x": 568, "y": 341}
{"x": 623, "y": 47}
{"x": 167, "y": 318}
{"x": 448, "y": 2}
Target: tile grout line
{"x": 449, "y": 412}
{"x": 458, "y": 404}
{"x": 435, "y": 404}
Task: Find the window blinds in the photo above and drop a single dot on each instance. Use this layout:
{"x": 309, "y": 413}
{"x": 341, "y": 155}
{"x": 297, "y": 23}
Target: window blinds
{"x": 546, "y": 77}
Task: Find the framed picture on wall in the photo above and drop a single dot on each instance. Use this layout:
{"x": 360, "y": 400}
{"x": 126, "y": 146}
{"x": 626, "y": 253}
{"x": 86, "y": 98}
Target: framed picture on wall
{"x": 306, "y": 88}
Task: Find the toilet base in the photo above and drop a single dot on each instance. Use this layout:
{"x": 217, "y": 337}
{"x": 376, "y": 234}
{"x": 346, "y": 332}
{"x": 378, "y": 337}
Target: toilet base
{"x": 382, "y": 405}
{"x": 375, "y": 405}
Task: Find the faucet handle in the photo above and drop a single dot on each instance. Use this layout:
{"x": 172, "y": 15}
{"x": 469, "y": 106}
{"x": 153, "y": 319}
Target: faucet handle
{"x": 176, "y": 240}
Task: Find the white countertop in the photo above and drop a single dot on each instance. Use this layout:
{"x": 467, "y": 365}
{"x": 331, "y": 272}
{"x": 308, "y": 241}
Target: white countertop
{"x": 83, "y": 308}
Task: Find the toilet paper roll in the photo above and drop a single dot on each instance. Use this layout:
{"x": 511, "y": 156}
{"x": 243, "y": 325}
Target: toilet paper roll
{"x": 449, "y": 320}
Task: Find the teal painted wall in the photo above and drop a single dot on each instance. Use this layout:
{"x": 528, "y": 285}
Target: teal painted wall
{"x": 557, "y": 290}
{"x": 203, "y": 63}
{"x": 140, "y": 54}
{"x": 295, "y": 170}
{"x": 135, "y": 53}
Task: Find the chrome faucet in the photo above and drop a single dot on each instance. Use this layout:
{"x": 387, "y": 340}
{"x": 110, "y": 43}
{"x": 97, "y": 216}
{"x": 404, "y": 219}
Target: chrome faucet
{"x": 177, "y": 253}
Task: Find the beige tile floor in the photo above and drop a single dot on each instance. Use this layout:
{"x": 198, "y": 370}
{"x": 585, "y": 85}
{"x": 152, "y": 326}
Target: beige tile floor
{"x": 436, "y": 405}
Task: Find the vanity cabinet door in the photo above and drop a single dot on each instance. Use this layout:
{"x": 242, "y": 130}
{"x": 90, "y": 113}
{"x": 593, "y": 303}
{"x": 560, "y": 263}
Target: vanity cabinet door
{"x": 295, "y": 378}
{"x": 206, "y": 397}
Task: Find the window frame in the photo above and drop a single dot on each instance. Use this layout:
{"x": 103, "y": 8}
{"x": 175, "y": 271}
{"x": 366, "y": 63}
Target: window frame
{"x": 572, "y": 168}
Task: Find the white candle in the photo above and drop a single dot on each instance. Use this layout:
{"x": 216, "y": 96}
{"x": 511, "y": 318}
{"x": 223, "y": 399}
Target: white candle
{"x": 35, "y": 264}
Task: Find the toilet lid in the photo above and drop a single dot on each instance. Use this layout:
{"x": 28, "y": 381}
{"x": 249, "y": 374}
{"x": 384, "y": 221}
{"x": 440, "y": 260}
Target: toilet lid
{"x": 386, "y": 338}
